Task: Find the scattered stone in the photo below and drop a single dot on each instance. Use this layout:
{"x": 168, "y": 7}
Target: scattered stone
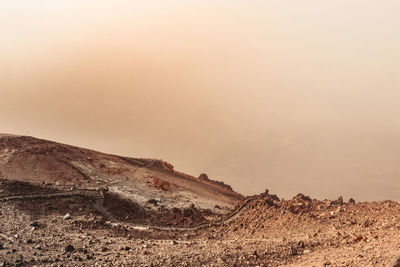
{"x": 69, "y": 248}
{"x": 34, "y": 224}
{"x": 269, "y": 202}
{"x": 152, "y": 201}
{"x": 67, "y": 216}
{"x": 204, "y": 177}
{"x": 339, "y": 209}
{"x": 301, "y": 197}
{"x": 241, "y": 242}
{"x": 255, "y": 254}
{"x": 293, "y": 251}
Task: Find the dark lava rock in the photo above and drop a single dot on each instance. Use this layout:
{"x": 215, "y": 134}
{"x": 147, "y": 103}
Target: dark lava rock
{"x": 69, "y": 248}
{"x": 34, "y": 224}
{"x": 293, "y": 251}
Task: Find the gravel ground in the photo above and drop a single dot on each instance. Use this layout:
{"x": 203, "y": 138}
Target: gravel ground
{"x": 269, "y": 232}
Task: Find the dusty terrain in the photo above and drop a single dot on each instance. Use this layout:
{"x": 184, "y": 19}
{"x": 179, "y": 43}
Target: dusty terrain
{"x": 66, "y": 206}
{"x": 64, "y": 167}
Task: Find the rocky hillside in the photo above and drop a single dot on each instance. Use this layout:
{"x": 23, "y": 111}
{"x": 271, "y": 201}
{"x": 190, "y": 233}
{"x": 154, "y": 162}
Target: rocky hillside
{"x": 64, "y": 205}
{"x": 143, "y": 181}
{"x": 307, "y": 232}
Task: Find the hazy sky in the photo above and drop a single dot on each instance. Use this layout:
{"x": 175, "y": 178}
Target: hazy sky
{"x": 294, "y": 96}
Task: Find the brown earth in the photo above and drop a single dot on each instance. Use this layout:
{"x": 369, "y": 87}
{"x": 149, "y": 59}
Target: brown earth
{"x": 152, "y": 227}
{"x": 62, "y": 167}
{"x": 268, "y": 231}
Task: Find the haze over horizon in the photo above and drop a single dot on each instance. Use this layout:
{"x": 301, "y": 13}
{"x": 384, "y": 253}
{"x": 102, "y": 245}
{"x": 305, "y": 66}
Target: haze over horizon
{"x": 290, "y": 96}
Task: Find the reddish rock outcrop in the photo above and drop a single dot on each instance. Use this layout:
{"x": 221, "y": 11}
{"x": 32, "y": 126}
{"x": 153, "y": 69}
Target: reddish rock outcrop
{"x": 160, "y": 184}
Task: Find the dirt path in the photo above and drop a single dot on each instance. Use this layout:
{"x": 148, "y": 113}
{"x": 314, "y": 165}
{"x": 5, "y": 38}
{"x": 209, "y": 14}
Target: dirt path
{"x": 98, "y": 198}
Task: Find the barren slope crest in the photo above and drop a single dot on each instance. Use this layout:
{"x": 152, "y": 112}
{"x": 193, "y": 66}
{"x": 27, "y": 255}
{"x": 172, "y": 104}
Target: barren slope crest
{"x": 28, "y": 159}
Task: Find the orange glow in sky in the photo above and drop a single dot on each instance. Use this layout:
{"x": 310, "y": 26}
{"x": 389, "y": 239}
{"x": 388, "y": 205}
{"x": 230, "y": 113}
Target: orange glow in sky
{"x": 294, "y": 96}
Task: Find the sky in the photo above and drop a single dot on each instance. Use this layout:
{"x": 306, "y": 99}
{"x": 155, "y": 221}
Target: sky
{"x": 293, "y": 96}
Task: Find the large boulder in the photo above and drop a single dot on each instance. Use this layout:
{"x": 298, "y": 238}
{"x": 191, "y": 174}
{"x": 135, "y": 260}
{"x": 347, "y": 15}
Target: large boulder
{"x": 160, "y": 184}
{"x": 204, "y": 177}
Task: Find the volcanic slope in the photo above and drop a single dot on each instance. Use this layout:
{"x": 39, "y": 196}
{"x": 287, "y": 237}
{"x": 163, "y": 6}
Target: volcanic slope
{"x": 55, "y": 209}
{"x": 149, "y": 183}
